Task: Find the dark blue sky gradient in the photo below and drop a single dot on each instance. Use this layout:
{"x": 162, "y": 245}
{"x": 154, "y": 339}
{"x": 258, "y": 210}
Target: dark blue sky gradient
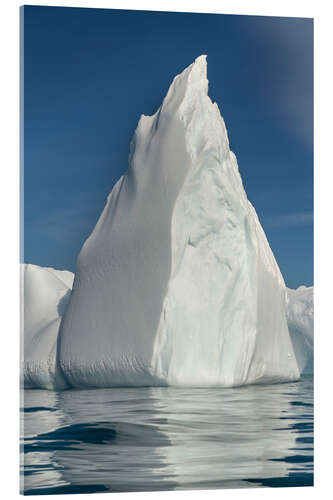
{"x": 90, "y": 73}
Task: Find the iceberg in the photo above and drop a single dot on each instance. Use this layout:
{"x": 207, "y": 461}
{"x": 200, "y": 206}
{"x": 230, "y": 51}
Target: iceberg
{"x": 177, "y": 284}
{"x": 45, "y": 295}
{"x": 299, "y": 310}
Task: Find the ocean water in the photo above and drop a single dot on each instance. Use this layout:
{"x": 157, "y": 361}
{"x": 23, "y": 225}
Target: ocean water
{"x": 142, "y": 439}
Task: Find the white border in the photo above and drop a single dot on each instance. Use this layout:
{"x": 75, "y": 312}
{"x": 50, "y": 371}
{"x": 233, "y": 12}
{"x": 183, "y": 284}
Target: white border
{"x": 296, "y": 8}
{"x": 9, "y": 30}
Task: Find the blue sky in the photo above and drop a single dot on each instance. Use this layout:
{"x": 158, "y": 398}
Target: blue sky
{"x": 90, "y": 73}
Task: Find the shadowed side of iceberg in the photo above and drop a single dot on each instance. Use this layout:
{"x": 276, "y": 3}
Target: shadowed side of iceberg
{"x": 123, "y": 270}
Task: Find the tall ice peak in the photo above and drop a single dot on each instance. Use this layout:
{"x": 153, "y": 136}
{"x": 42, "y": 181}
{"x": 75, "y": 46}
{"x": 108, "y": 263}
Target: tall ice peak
{"x": 177, "y": 284}
{"x": 186, "y": 98}
{"x": 196, "y": 71}
{"x": 190, "y": 83}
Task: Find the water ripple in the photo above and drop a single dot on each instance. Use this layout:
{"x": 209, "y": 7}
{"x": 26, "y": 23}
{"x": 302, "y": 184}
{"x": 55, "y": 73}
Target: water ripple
{"x": 147, "y": 439}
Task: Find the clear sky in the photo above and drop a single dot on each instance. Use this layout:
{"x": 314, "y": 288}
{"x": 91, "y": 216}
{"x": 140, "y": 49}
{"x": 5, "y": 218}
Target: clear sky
{"x": 90, "y": 73}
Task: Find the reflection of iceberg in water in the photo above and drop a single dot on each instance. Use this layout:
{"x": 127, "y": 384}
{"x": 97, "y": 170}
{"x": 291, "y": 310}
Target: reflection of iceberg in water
{"x": 231, "y": 438}
{"x": 168, "y": 438}
{"x": 122, "y": 449}
{"x": 40, "y": 416}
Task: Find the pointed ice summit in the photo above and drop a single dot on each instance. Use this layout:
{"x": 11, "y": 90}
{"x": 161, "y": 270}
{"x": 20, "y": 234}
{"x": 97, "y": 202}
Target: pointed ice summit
{"x": 177, "y": 284}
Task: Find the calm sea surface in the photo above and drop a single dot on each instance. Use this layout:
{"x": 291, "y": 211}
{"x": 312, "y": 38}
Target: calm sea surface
{"x": 83, "y": 441}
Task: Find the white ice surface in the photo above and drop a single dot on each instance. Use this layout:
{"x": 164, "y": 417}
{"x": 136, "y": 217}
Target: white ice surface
{"x": 177, "y": 284}
{"x": 299, "y": 307}
{"x": 46, "y": 293}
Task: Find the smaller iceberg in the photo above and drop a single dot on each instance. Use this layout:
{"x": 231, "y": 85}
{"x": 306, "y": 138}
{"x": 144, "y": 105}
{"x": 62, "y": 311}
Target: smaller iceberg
{"x": 299, "y": 310}
{"x": 46, "y": 292}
